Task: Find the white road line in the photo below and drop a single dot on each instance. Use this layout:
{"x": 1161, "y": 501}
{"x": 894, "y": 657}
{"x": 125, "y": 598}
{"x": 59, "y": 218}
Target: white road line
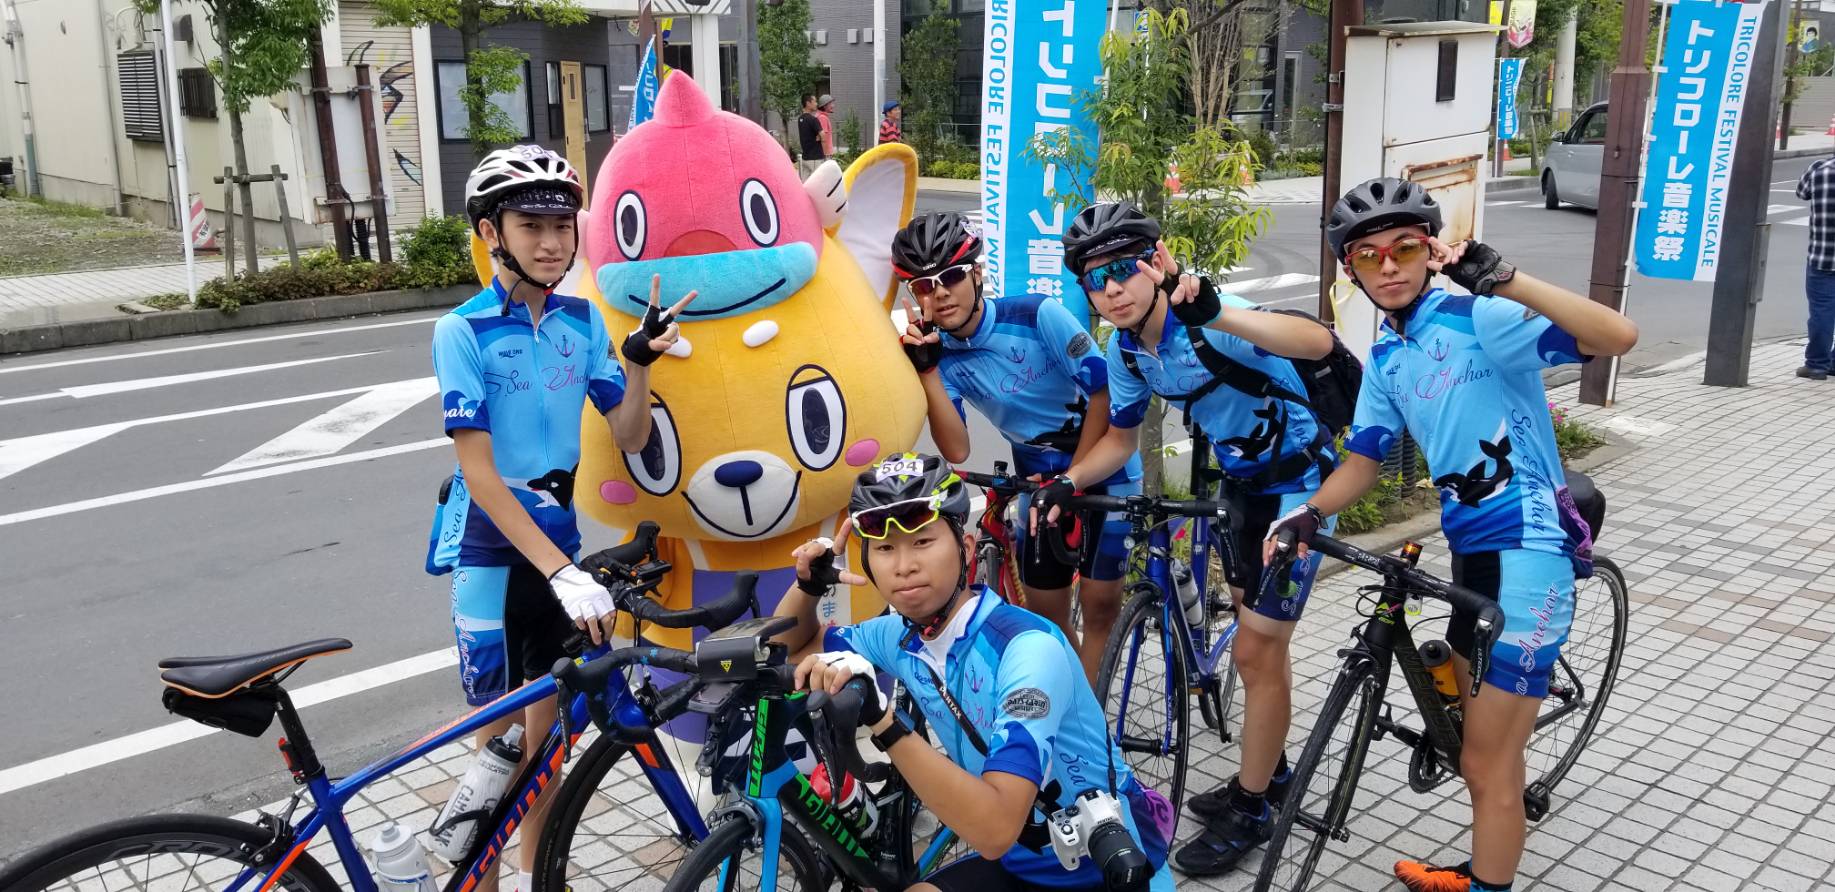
{"x": 316, "y": 332}
{"x": 1797, "y": 221}
{"x": 152, "y": 739}
{"x": 1249, "y": 287}
{"x": 1506, "y": 204}
{"x": 85, "y": 391}
{"x": 23, "y": 452}
{"x": 1782, "y": 208}
{"x": 210, "y": 482}
{"x": 333, "y": 431}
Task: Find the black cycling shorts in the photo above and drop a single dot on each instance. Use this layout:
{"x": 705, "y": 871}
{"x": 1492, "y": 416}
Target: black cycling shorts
{"x": 977, "y": 874}
{"x": 510, "y": 628}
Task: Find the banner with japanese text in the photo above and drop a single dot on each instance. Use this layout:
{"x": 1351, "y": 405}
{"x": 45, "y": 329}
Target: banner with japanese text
{"x": 1509, "y": 74}
{"x": 1694, "y": 128}
{"x": 643, "y": 104}
{"x": 1039, "y": 57}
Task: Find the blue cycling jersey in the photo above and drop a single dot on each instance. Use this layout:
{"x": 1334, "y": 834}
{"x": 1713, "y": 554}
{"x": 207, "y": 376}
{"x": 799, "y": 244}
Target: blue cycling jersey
{"x": 1466, "y": 380}
{"x": 1030, "y": 369}
{"x": 1243, "y": 429}
{"x": 524, "y": 384}
{"x": 1020, "y": 685}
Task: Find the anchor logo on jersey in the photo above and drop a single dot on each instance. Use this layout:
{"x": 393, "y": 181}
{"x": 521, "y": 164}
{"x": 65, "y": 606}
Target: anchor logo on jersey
{"x": 1016, "y": 353}
{"x": 1475, "y": 486}
{"x": 1261, "y": 438}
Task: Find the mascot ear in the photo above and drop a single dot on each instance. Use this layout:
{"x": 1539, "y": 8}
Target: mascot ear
{"x": 881, "y": 189}
{"x": 826, "y": 189}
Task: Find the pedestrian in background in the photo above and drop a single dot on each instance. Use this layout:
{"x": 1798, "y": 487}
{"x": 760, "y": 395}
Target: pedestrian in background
{"x": 889, "y": 126}
{"x": 825, "y": 112}
{"x": 809, "y": 137}
{"x": 1818, "y": 188}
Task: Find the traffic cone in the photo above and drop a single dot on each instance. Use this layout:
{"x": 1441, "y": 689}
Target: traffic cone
{"x": 1831, "y": 130}
{"x": 197, "y": 227}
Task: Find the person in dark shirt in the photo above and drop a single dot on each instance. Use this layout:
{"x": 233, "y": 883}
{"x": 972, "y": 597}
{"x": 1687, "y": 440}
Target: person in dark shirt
{"x": 809, "y": 137}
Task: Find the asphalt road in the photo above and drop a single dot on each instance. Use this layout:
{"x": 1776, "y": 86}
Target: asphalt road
{"x": 140, "y": 517}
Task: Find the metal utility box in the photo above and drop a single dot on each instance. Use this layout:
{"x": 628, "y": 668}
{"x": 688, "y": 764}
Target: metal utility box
{"x": 1418, "y": 106}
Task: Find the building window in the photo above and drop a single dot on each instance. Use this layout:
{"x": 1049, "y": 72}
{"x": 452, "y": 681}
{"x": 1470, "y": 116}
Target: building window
{"x": 450, "y": 76}
{"x": 139, "y": 80}
{"x": 197, "y": 93}
{"x": 598, "y": 116}
{"x": 557, "y": 121}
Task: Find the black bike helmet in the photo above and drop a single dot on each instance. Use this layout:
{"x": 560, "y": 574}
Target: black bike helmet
{"x": 1379, "y": 204}
{"x": 932, "y": 243}
{"x": 924, "y": 483}
{"x": 1104, "y": 228}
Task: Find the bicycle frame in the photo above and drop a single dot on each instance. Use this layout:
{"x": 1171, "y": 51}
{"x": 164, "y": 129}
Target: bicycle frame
{"x": 1387, "y": 642}
{"x": 330, "y": 797}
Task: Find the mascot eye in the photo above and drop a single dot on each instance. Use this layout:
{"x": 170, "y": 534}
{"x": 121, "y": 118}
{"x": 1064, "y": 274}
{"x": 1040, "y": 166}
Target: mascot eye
{"x": 816, "y": 416}
{"x": 631, "y": 224}
{"x": 760, "y": 212}
{"x": 658, "y": 467}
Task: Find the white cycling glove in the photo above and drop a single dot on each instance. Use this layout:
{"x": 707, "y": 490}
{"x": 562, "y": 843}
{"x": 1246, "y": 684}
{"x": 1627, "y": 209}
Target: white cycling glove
{"x": 855, "y": 664}
{"x": 582, "y": 598}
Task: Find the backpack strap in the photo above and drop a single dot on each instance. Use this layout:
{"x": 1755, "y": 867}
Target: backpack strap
{"x": 1236, "y": 375}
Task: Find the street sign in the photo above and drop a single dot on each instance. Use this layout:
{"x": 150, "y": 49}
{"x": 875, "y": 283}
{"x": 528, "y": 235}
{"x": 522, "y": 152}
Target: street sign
{"x": 1509, "y": 74}
{"x": 1694, "y": 127}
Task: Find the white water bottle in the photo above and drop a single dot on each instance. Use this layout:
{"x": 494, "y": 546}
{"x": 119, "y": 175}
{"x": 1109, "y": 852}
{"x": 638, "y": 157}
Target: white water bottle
{"x": 1187, "y": 584}
{"x": 401, "y": 866}
{"x": 483, "y": 785}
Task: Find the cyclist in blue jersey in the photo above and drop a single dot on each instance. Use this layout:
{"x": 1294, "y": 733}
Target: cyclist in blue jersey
{"x": 1027, "y": 365}
{"x": 1178, "y": 337}
{"x": 516, "y": 364}
{"x": 1463, "y": 373}
{"x": 998, "y": 686}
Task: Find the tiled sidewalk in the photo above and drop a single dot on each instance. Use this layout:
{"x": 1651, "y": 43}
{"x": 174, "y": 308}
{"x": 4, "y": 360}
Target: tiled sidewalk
{"x": 109, "y": 285}
{"x": 1715, "y": 761}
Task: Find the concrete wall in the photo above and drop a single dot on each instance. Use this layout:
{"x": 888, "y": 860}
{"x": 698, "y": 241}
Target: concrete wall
{"x": 589, "y": 43}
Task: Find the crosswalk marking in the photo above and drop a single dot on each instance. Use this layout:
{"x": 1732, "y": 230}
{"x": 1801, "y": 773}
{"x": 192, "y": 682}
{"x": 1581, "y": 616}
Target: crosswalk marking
{"x": 1798, "y": 221}
{"x": 336, "y": 429}
{"x": 128, "y": 385}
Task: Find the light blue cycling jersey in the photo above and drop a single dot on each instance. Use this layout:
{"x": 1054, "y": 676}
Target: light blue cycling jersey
{"x": 1467, "y": 381}
{"x": 527, "y": 387}
{"x": 1030, "y": 369}
{"x": 1243, "y": 429}
{"x": 1020, "y": 684}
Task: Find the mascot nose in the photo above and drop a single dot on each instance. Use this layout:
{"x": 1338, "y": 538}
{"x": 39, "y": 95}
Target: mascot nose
{"x": 738, "y": 474}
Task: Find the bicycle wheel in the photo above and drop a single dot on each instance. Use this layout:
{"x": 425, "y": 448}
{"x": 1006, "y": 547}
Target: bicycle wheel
{"x": 731, "y": 860}
{"x": 1324, "y": 783}
{"x": 180, "y": 853}
{"x": 1584, "y": 675}
{"x": 608, "y": 827}
{"x": 1143, "y": 685}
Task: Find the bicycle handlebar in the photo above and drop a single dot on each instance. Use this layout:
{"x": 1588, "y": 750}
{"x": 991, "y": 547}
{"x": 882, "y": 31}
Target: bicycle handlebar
{"x": 1488, "y": 621}
{"x": 631, "y": 569}
{"x": 844, "y": 713}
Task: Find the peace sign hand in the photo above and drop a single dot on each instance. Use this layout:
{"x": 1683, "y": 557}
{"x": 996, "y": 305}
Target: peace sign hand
{"x": 658, "y": 331}
{"x": 923, "y": 346}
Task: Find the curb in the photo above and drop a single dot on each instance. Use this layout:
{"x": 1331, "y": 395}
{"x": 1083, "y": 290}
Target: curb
{"x": 1391, "y": 537}
{"x": 57, "y": 336}
{"x": 943, "y": 184}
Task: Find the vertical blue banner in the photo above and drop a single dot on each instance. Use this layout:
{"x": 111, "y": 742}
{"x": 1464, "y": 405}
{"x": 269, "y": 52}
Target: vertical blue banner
{"x": 1039, "y": 56}
{"x": 1694, "y": 127}
{"x": 643, "y": 103}
{"x": 1509, "y": 74}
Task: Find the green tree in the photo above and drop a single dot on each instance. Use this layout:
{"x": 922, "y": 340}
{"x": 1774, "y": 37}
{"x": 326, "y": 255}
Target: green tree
{"x": 263, "y": 46}
{"x": 783, "y": 56}
{"x": 489, "y": 71}
{"x": 927, "y": 70}
{"x": 1147, "y": 128}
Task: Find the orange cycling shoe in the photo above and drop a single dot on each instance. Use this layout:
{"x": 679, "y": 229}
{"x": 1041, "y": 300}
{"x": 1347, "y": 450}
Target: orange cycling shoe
{"x": 1422, "y": 877}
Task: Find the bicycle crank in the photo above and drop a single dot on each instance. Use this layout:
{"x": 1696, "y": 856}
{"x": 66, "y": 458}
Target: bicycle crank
{"x": 1426, "y": 770}
{"x": 1535, "y": 800}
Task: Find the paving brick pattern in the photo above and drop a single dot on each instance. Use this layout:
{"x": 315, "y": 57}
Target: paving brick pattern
{"x": 107, "y": 285}
{"x": 1714, "y": 763}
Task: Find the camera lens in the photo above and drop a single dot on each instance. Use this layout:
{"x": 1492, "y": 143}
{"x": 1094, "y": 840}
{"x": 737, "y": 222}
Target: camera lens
{"x": 1124, "y": 865}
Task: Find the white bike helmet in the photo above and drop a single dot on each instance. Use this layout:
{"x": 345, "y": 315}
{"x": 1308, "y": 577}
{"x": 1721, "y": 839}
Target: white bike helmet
{"x": 526, "y": 178}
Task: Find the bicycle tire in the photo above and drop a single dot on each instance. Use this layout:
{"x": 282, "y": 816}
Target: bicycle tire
{"x": 1357, "y": 679}
{"x": 729, "y": 842}
{"x": 54, "y": 865}
{"x": 1140, "y": 622}
{"x": 655, "y": 849}
{"x": 1575, "y": 672}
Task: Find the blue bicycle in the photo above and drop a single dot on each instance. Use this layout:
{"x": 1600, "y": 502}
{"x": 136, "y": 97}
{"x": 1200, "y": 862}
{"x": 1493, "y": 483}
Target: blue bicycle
{"x": 244, "y": 694}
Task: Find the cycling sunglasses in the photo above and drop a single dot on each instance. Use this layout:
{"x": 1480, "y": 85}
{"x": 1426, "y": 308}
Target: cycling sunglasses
{"x": 1120, "y": 268}
{"x": 908, "y": 516}
{"x": 949, "y": 278}
{"x": 1403, "y": 252}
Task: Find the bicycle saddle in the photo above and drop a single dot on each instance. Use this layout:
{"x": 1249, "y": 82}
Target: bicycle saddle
{"x": 1588, "y": 499}
{"x": 222, "y": 676}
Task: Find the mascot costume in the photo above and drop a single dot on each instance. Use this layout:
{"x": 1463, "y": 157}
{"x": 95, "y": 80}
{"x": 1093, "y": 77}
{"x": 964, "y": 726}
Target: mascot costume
{"x": 789, "y": 378}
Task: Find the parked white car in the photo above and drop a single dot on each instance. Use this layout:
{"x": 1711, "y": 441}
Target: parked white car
{"x": 1570, "y": 168}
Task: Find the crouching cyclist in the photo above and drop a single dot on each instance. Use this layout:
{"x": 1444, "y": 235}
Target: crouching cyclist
{"x": 999, "y": 686}
{"x": 1463, "y": 372}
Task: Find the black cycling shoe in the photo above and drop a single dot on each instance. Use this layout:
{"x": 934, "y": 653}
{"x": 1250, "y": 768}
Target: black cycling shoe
{"x": 1223, "y": 843}
{"x": 1211, "y": 804}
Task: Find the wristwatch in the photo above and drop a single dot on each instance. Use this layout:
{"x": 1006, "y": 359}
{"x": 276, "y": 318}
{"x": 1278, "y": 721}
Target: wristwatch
{"x": 892, "y": 735}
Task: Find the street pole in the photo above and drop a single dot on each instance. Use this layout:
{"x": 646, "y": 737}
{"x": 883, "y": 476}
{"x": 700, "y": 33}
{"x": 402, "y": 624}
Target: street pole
{"x": 337, "y": 201}
{"x": 1618, "y": 188}
{"x": 15, "y": 38}
{"x": 750, "y": 74}
{"x": 879, "y": 68}
{"x": 1345, "y": 14}
{"x": 1739, "y": 283}
{"x": 1497, "y": 133}
{"x": 1790, "y": 77}
{"x": 1564, "y": 71}
{"x": 178, "y": 154}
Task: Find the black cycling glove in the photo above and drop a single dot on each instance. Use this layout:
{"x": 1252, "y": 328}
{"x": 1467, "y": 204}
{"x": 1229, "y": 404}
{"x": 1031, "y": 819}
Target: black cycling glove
{"x": 1480, "y": 269}
{"x": 1303, "y": 522}
{"x": 822, "y": 575}
{"x": 1203, "y": 308}
{"x": 1053, "y": 493}
{"x": 637, "y": 346}
{"x": 925, "y": 356}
